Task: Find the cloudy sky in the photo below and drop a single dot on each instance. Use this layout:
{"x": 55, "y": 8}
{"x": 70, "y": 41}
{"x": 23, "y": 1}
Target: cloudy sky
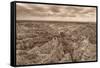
{"x": 27, "y": 11}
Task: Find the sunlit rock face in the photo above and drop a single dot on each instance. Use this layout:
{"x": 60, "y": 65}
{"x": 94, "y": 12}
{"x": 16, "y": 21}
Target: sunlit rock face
{"x": 55, "y": 34}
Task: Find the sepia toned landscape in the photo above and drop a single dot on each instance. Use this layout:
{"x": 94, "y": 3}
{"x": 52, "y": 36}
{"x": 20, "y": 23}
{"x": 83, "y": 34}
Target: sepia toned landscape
{"x": 55, "y": 34}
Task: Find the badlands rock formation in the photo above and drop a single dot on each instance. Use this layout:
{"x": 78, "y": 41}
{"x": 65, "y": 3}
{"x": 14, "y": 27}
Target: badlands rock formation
{"x": 55, "y": 34}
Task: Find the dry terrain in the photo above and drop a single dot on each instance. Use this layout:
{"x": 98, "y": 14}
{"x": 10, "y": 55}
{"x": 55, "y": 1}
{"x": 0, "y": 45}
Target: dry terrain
{"x": 44, "y": 42}
{"x": 55, "y": 34}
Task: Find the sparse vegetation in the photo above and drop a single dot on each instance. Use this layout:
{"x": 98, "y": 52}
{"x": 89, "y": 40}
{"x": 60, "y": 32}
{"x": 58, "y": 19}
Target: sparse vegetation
{"x": 41, "y": 43}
